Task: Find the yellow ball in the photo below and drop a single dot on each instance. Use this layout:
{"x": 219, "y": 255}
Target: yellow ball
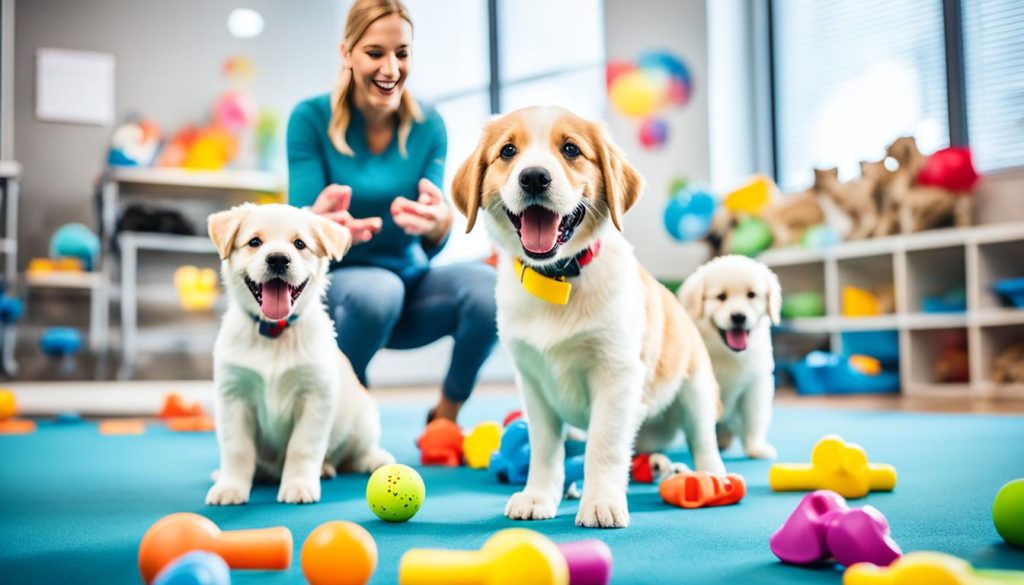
{"x": 395, "y": 492}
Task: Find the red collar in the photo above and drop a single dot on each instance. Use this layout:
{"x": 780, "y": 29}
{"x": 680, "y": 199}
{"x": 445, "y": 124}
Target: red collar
{"x": 572, "y": 266}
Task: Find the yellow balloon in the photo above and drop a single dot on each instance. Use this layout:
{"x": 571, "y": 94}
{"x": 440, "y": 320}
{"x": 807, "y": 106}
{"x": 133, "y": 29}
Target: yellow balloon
{"x": 634, "y": 94}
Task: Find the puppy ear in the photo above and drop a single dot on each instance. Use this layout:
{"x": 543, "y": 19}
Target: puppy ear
{"x": 223, "y": 227}
{"x": 468, "y": 181}
{"x": 622, "y": 182}
{"x": 774, "y": 296}
{"x": 691, "y": 294}
{"x": 331, "y": 237}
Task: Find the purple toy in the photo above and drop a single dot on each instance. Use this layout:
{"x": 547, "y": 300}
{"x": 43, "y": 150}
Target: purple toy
{"x": 823, "y": 526}
{"x": 590, "y": 562}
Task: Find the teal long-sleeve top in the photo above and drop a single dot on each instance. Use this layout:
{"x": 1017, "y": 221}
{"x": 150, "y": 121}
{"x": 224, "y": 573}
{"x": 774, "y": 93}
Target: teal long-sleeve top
{"x": 376, "y": 179}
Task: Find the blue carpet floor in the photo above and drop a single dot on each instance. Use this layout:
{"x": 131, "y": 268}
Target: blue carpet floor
{"x": 74, "y": 504}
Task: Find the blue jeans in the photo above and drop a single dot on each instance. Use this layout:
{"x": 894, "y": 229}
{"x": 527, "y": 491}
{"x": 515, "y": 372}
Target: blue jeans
{"x": 374, "y": 308}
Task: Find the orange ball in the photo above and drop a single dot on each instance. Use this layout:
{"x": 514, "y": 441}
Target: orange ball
{"x": 339, "y": 553}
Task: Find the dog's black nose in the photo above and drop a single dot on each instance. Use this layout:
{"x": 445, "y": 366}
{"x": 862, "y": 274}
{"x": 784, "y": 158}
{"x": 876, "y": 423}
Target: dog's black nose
{"x": 534, "y": 180}
{"x": 278, "y": 263}
{"x": 738, "y": 318}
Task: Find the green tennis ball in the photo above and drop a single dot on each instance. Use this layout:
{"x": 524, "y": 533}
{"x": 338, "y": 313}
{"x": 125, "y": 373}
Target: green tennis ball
{"x": 395, "y": 492}
{"x": 1008, "y": 512}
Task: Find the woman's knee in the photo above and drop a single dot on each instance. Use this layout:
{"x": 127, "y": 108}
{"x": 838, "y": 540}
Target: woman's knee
{"x": 374, "y": 295}
{"x": 478, "y": 293}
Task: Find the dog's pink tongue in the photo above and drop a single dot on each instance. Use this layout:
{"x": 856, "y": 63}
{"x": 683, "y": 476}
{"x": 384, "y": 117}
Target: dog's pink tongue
{"x": 737, "y": 339}
{"x": 277, "y": 300}
{"x": 540, "y": 229}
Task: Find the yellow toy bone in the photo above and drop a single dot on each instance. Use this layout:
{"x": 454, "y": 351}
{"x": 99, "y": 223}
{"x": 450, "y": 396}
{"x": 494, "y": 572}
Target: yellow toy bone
{"x": 927, "y": 568}
{"x": 835, "y": 465}
{"x": 514, "y": 555}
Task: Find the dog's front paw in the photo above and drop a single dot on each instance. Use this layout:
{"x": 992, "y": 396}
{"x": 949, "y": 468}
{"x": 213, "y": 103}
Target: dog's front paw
{"x": 603, "y": 511}
{"x": 226, "y": 492}
{"x": 526, "y": 505}
{"x": 373, "y": 460}
{"x": 761, "y": 451}
{"x": 327, "y": 471}
{"x": 299, "y": 491}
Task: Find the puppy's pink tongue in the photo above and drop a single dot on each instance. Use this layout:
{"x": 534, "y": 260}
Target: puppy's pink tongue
{"x": 277, "y": 300}
{"x": 540, "y": 229}
{"x": 736, "y": 339}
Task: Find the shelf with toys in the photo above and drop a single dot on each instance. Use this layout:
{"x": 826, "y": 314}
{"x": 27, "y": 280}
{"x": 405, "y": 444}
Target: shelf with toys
{"x": 948, "y": 297}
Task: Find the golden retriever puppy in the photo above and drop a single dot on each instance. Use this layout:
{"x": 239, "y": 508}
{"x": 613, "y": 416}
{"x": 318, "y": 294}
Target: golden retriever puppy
{"x": 596, "y": 342}
{"x": 735, "y": 301}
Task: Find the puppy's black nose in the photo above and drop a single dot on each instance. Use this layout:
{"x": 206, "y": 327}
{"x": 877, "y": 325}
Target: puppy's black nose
{"x": 278, "y": 263}
{"x": 534, "y": 180}
{"x": 738, "y": 318}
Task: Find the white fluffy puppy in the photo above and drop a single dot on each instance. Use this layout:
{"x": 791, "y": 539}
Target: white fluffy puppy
{"x": 596, "y": 341}
{"x": 734, "y": 301}
{"x": 288, "y": 404}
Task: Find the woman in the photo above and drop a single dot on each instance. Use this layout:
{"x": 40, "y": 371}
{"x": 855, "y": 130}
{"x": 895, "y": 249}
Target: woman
{"x": 367, "y": 157}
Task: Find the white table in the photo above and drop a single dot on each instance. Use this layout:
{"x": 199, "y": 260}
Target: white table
{"x": 165, "y": 183}
{"x": 10, "y": 173}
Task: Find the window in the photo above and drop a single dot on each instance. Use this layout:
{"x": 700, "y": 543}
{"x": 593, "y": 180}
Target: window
{"x": 994, "y": 71}
{"x": 558, "y": 59}
{"x": 851, "y": 76}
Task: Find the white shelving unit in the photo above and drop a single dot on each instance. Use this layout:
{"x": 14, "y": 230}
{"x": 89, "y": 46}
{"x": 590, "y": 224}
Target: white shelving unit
{"x": 168, "y": 184}
{"x": 919, "y": 265}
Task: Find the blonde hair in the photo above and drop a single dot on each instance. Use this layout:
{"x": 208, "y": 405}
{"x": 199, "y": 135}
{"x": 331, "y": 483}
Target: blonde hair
{"x": 362, "y": 14}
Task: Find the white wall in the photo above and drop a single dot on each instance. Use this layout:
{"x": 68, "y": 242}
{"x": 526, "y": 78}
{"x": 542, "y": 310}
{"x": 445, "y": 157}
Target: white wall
{"x": 678, "y": 26}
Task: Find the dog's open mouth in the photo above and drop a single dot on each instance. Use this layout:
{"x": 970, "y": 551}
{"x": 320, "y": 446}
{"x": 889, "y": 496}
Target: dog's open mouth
{"x": 541, "y": 231}
{"x": 275, "y": 297}
{"x": 735, "y": 339}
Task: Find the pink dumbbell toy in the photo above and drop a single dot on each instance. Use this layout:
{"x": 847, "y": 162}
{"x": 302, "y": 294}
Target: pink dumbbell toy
{"x": 590, "y": 562}
{"x": 823, "y": 526}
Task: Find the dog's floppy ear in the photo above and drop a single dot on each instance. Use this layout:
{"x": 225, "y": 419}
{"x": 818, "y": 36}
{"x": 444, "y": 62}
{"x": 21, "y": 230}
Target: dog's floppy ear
{"x": 223, "y": 227}
{"x": 468, "y": 182}
{"x": 774, "y": 296}
{"x": 691, "y": 294}
{"x": 331, "y": 237}
{"x": 622, "y": 182}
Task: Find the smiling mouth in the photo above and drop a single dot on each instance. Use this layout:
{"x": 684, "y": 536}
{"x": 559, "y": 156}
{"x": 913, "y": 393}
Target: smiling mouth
{"x": 386, "y": 87}
{"x": 275, "y": 297}
{"x": 735, "y": 339}
{"x": 541, "y": 231}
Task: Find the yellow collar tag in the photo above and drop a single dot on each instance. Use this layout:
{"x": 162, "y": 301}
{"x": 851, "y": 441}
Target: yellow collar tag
{"x": 552, "y": 290}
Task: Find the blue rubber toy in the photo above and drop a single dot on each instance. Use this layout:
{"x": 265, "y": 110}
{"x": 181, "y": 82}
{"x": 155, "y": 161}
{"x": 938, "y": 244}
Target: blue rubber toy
{"x": 74, "y": 240}
{"x": 60, "y": 341}
{"x": 11, "y": 309}
{"x": 195, "y": 568}
{"x": 511, "y": 462}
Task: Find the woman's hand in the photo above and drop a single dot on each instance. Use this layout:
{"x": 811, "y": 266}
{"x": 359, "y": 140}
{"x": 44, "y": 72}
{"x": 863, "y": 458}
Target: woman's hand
{"x": 333, "y": 203}
{"x": 430, "y": 216}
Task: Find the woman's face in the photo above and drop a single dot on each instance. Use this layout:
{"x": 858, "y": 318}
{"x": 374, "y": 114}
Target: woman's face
{"x": 380, "y": 63}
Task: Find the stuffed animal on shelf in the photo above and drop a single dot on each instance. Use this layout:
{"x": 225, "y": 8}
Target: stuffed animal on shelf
{"x": 789, "y": 216}
{"x": 855, "y": 198}
{"x": 1009, "y": 366}
{"x": 935, "y": 202}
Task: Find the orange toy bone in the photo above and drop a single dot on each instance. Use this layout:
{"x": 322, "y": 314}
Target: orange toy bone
{"x": 700, "y": 489}
{"x": 441, "y": 443}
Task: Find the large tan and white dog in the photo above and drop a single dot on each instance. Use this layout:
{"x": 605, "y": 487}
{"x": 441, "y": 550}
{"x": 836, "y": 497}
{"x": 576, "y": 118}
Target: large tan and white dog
{"x": 620, "y": 358}
{"x": 288, "y": 404}
{"x": 734, "y": 301}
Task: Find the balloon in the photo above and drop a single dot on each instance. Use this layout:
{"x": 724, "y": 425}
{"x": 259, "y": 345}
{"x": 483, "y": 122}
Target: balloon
{"x": 653, "y": 133}
{"x": 633, "y": 94}
{"x": 688, "y": 214}
{"x": 614, "y": 69}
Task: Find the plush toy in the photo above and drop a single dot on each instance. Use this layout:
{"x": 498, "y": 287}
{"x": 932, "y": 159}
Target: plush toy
{"x": 854, "y": 198}
{"x": 134, "y": 144}
{"x": 1009, "y": 366}
{"x": 919, "y": 206}
{"x": 789, "y": 216}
